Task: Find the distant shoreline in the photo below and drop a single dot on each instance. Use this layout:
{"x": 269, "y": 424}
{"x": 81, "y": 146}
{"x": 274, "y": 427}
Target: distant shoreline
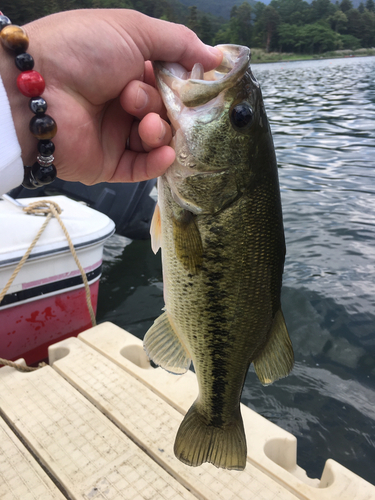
{"x": 259, "y": 56}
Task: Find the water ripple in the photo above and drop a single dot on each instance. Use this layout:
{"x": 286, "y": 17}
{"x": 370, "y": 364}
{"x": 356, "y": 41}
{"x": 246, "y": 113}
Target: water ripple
{"x": 322, "y": 115}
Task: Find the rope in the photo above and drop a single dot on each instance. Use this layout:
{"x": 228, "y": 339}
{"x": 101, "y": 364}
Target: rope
{"x": 21, "y": 368}
{"x": 50, "y": 209}
{"x": 24, "y": 258}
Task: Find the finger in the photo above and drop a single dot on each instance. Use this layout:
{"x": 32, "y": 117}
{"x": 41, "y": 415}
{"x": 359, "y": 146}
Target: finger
{"x": 154, "y": 132}
{"x": 139, "y": 99}
{"x": 165, "y": 41}
{"x": 137, "y": 167}
{"x": 149, "y": 75}
{"x": 151, "y": 133}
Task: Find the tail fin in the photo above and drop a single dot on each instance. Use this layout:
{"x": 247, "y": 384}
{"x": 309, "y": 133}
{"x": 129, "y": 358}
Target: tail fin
{"x": 197, "y": 442}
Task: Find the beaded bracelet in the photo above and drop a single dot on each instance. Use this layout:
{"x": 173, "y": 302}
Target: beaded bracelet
{"x": 31, "y": 84}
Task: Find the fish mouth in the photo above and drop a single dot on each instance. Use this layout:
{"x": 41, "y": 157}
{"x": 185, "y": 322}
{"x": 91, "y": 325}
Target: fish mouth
{"x": 180, "y": 88}
{"x": 192, "y": 97}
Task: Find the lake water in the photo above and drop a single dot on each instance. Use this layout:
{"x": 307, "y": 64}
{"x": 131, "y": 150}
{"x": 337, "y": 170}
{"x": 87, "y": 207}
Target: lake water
{"x": 322, "y": 115}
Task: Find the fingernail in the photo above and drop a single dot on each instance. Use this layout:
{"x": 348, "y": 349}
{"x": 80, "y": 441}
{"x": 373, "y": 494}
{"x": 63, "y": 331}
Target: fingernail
{"x": 142, "y": 99}
{"x": 163, "y": 130}
{"x": 216, "y": 52}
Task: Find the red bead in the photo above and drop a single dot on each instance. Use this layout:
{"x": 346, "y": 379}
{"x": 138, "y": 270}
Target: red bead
{"x": 30, "y": 83}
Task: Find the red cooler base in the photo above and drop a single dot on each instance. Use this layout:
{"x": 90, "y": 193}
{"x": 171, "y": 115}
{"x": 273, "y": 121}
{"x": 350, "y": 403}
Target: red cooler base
{"x": 28, "y": 329}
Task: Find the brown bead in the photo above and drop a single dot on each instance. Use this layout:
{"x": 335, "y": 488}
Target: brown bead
{"x": 43, "y": 127}
{"x": 14, "y": 38}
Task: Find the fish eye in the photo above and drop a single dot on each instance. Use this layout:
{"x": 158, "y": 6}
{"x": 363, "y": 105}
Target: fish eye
{"x": 241, "y": 115}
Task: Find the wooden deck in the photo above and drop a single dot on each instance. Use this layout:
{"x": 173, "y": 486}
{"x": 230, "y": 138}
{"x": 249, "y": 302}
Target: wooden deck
{"x": 99, "y": 423}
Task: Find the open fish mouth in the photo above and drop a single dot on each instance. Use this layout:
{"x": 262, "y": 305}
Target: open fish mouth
{"x": 181, "y": 88}
{"x": 197, "y": 105}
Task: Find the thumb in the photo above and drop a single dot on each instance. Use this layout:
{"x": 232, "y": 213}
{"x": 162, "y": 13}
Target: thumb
{"x": 166, "y": 41}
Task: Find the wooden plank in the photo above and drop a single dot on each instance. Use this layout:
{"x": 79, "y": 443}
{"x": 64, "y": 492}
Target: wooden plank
{"x": 270, "y": 448}
{"x": 21, "y": 478}
{"x": 84, "y": 452}
{"x": 152, "y": 424}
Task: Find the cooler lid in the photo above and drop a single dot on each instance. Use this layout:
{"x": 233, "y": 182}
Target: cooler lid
{"x": 18, "y": 229}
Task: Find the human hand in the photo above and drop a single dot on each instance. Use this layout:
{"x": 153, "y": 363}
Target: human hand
{"x": 100, "y": 91}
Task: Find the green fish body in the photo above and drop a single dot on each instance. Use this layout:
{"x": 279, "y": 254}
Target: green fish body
{"x": 219, "y": 225}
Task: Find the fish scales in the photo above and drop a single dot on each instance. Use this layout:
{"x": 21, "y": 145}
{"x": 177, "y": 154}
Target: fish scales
{"x": 221, "y": 233}
{"x": 222, "y": 291}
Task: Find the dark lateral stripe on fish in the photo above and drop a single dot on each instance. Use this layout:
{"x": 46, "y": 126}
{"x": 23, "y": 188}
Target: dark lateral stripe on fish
{"x": 219, "y": 384}
{"x": 218, "y": 332}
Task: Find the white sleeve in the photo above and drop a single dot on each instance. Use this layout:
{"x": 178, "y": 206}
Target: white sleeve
{"x": 11, "y": 166}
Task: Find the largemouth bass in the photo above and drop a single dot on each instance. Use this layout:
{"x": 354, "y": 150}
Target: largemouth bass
{"x": 219, "y": 224}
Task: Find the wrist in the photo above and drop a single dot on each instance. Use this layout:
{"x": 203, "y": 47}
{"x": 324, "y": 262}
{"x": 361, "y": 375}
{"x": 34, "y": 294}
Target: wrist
{"x": 31, "y": 84}
{"x": 21, "y": 113}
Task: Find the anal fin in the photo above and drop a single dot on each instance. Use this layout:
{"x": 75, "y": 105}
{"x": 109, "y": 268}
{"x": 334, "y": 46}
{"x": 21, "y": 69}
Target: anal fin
{"x": 163, "y": 346}
{"x": 277, "y": 358}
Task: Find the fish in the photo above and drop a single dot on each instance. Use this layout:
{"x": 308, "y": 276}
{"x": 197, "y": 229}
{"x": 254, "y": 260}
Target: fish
{"x": 218, "y": 222}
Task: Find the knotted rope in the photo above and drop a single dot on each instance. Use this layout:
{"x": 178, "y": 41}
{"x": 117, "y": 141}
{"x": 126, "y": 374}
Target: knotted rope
{"x": 49, "y": 209}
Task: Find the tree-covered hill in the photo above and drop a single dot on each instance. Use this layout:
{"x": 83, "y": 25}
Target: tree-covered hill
{"x": 221, "y": 8}
{"x": 23, "y": 11}
{"x": 224, "y": 7}
{"x": 295, "y": 25}
{"x": 283, "y": 25}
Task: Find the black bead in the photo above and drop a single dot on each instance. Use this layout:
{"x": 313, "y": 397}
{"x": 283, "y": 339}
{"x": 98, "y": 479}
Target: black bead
{"x": 43, "y": 175}
{"x": 24, "y": 61}
{"x": 38, "y": 105}
{"x": 28, "y": 179}
{"x": 4, "y": 21}
{"x": 46, "y": 148}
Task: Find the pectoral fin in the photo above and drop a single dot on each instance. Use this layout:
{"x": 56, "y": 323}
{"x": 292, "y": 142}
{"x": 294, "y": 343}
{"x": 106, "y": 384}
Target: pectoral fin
{"x": 188, "y": 242}
{"x": 276, "y": 360}
{"x": 163, "y": 346}
{"x": 155, "y": 230}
